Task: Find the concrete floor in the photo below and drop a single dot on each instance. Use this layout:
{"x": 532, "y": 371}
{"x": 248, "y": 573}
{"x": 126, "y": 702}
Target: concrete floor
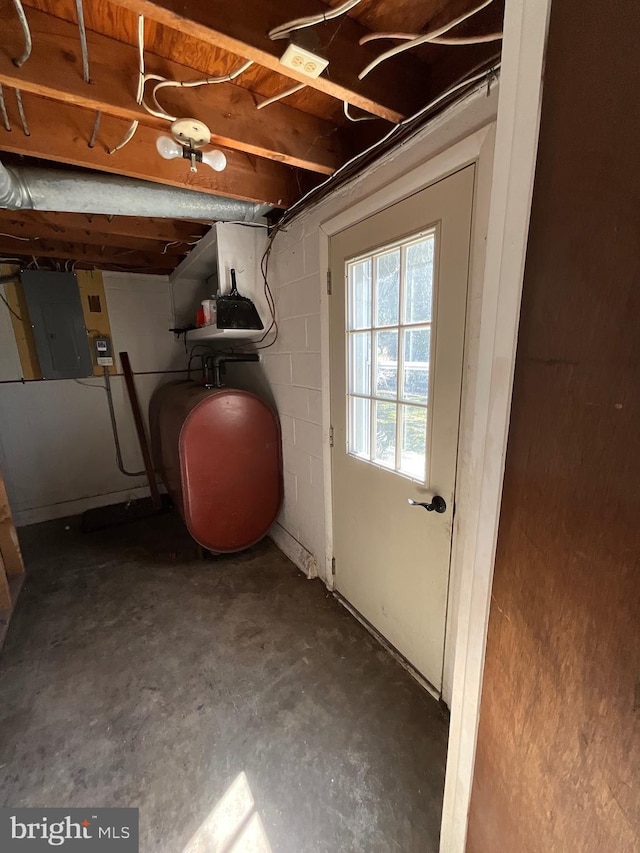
{"x": 134, "y": 674}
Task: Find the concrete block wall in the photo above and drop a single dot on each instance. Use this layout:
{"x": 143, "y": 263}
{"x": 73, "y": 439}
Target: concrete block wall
{"x": 293, "y": 370}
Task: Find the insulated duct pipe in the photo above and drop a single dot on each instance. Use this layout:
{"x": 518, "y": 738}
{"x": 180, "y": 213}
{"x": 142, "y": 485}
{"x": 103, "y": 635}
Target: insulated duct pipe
{"x": 75, "y": 192}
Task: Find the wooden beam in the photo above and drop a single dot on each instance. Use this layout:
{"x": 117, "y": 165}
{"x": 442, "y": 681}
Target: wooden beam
{"x": 21, "y": 229}
{"x": 95, "y": 312}
{"x": 6, "y": 605}
{"x": 89, "y": 254}
{"x": 54, "y": 70}
{"x": 9, "y": 544}
{"x": 21, "y": 323}
{"x": 61, "y": 132}
{"x": 242, "y": 27}
{"x": 53, "y": 224}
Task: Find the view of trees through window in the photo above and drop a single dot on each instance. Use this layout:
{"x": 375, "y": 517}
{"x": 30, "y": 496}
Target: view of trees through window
{"x": 390, "y": 299}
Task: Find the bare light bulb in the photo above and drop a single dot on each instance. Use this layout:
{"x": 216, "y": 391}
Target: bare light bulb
{"x": 168, "y": 147}
{"x": 214, "y": 159}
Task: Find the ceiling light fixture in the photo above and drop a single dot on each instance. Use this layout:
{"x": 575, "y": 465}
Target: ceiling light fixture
{"x": 188, "y": 137}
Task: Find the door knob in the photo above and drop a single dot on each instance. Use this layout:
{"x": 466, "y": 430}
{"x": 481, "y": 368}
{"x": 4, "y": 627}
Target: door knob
{"x": 438, "y": 504}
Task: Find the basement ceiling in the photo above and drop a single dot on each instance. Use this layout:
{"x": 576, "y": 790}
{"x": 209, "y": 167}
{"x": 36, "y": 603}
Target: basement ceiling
{"x": 275, "y": 153}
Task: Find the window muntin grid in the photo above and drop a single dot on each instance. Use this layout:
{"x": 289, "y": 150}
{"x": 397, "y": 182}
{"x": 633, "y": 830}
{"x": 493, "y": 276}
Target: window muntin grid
{"x": 390, "y": 294}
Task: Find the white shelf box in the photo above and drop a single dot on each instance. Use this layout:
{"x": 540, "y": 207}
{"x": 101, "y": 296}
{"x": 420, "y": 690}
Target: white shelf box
{"x": 212, "y": 333}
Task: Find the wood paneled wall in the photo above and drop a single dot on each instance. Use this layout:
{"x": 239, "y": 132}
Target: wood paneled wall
{"x": 558, "y": 760}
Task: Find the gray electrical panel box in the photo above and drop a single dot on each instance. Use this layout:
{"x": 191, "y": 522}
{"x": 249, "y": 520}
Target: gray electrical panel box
{"x": 58, "y": 325}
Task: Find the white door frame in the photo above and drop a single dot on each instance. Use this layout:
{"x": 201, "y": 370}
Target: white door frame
{"x": 505, "y": 156}
{"x": 519, "y": 106}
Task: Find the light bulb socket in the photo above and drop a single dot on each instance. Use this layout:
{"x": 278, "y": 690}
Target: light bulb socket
{"x": 192, "y": 154}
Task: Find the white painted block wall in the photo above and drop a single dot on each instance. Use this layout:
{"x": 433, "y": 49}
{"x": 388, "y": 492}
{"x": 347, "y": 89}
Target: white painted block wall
{"x": 293, "y": 370}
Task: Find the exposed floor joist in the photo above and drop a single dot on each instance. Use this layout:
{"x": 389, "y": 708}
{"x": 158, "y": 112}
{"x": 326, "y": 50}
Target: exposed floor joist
{"x": 61, "y": 132}
{"x": 275, "y": 155}
{"x": 242, "y": 28}
{"x": 119, "y": 230}
{"x": 21, "y": 231}
{"x": 89, "y": 254}
{"x": 278, "y": 133}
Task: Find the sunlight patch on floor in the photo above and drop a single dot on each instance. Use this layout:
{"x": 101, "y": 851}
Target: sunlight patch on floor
{"x": 233, "y": 825}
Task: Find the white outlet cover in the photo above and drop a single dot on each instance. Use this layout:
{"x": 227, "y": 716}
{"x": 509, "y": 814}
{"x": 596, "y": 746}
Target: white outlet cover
{"x": 303, "y": 61}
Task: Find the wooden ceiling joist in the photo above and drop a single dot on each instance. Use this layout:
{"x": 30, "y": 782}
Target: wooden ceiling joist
{"x": 54, "y": 70}
{"x": 118, "y": 229}
{"x": 61, "y": 132}
{"x": 16, "y": 232}
{"x": 87, "y": 253}
{"x": 242, "y": 27}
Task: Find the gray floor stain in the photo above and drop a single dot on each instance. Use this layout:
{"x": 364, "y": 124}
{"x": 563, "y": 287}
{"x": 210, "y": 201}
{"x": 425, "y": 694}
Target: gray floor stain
{"x": 135, "y": 674}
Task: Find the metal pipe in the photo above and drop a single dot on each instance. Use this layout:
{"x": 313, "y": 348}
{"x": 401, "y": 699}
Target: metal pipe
{"x": 75, "y": 192}
{"x": 114, "y": 429}
{"x": 141, "y": 432}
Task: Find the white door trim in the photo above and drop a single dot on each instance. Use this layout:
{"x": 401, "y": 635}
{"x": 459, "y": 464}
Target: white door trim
{"x": 519, "y": 106}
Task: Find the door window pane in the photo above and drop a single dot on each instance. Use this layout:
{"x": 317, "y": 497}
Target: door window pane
{"x": 360, "y": 426}
{"x": 414, "y": 442}
{"x": 390, "y": 295}
{"x": 418, "y": 294}
{"x": 417, "y": 347}
{"x": 360, "y": 294}
{"x": 388, "y": 288}
{"x": 360, "y": 363}
{"x": 386, "y": 434}
{"x": 387, "y": 364}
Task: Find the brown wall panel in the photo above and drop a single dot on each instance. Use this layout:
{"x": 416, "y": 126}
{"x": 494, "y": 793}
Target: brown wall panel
{"x": 558, "y": 759}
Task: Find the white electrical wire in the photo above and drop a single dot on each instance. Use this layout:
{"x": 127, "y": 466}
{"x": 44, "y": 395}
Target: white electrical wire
{"x": 21, "y": 113}
{"x": 300, "y": 23}
{"x": 345, "y": 109}
{"x": 452, "y": 40}
{"x": 26, "y": 32}
{"x": 159, "y": 112}
{"x": 83, "y": 41}
{"x": 206, "y": 81}
{"x": 141, "y": 80}
{"x": 282, "y": 95}
{"x": 482, "y": 75}
{"x": 423, "y": 39}
{"x": 3, "y": 111}
{"x": 96, "y": 128}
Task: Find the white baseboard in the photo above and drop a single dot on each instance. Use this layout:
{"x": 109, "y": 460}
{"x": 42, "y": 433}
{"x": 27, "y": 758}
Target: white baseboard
{"x": 296, "y": 552}
{"x": 60, "y": 510}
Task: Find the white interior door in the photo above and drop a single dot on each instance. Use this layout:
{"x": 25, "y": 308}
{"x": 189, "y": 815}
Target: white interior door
{"x": 397, "y": 339}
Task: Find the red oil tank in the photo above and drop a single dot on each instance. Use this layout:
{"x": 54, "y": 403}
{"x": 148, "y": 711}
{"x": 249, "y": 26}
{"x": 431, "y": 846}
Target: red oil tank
{"x": 218, "y": 452}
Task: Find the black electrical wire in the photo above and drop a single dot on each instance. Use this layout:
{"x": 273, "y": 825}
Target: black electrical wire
{"x": 486, "y": 70}
{"x": 17, "y": 316}
{"x": 264, "y": 269}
